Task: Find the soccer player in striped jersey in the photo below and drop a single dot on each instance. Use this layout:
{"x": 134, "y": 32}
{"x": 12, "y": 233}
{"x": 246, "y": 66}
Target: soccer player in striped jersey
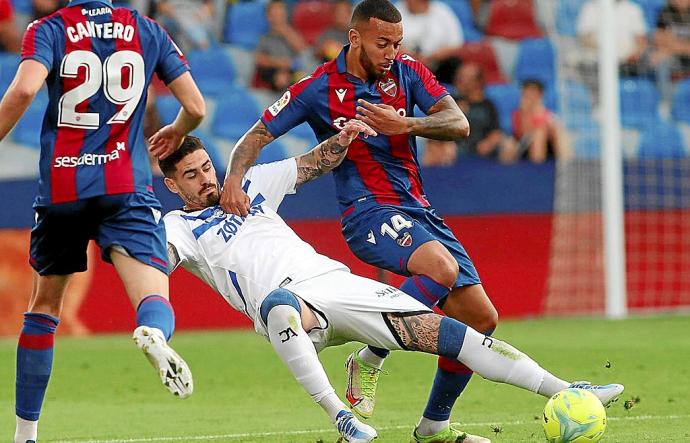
{"x": 95, "y": 178}
{"x": 386, "y": 218}
{"x": 303, "y": 301}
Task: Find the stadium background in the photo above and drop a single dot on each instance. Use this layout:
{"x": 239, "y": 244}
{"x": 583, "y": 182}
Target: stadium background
{"x": 534, "y": 230}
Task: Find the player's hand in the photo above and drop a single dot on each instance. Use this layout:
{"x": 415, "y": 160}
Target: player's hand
{"x": 165, "y": 142}
{"x": 382, "y": 118}
{"x": 352, "y": 129}
{"x": 233, "y": 199}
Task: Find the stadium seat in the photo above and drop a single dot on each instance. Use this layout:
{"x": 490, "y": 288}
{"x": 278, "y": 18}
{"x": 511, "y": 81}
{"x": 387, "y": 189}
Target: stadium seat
{"x": 28, "y": 129}
{"x": 482, "y": 53}
{"x": 305, "y": 133}
{"x": 651, "y": 9}
{"x": 168, "y": 107}
{"x": 245, "y": 23}
{"x": 680, "y": 104}
{"x": 272, "y": 152}
{"x": 235, "y": 113}
{"x": 8, "y": 67}
{"x": 536, "y": 59}
{"x": 311, "y": 18}
{"x": 463, "y": 11}
{"x": 639, "y": 102}
{"x": 577, "y": 104}
{"x": 513, "y": 19}
{"x": 566, "y": 16}
{"x": 661, "y": 140}
{"x": 212, "y": 69}
{"x": 24, "y": 7}
{"x": 506, "y": 99}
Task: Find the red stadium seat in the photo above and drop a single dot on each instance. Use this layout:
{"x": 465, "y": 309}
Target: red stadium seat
{"x": 513, "y": 19}
{"x": 311, "y": 18}
{"x": 482, "y": 53}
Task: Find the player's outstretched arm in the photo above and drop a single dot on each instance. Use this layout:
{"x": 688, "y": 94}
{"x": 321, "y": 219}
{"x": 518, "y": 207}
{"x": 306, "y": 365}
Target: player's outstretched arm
{"x": 169, "y": 138}
{"x": 232, "y": 199}
{"x": 330, "y": 153}
{"x": 445, "y": 120}
{"x": 26, "y": 84}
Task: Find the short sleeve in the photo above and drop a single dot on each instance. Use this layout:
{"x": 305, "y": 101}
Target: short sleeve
{"x": 171, "y": 61}
{"x": 270, "y": 182}
{"x": 426, "y": 90}
{"x": 288, "y": 111}
{"x": 180, "y": 236}
{"x": 37, "y": 44}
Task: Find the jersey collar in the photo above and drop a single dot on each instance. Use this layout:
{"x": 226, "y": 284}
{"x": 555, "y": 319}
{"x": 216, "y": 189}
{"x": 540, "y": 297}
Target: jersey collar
{"x": 340, "y": 62}
{"x": 81, "y": 2}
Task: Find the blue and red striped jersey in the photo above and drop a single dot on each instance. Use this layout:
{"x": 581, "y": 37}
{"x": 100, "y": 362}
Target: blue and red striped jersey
{"x": 100, "y": 61}
{"x": 384, "y": 167}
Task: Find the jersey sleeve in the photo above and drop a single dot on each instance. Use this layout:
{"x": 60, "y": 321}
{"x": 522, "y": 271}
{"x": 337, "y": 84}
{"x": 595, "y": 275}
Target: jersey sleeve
{"x": 36, "y": 44}
{"x": 288, "y": 111}
{"x": 180, "y": 236}
{"x": 426, "y": 90}
{"x": 171, "y": 61}
{"x": 270, "y": 182}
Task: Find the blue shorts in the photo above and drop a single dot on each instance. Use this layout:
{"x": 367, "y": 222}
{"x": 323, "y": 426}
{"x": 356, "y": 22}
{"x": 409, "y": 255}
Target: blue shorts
{"x": 131, "y": 221}
{"x": 385, "y": 236}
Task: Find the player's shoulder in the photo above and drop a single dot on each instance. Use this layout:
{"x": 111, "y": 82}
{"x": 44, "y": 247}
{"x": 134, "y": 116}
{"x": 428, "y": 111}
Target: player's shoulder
{"x": 406, "y": 62}
{"x": 312, "y": 82}
{"x": 46, "y": 22}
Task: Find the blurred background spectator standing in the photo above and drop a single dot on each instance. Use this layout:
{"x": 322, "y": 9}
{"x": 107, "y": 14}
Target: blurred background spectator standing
{"x": 10, "y": 39}
{"x": 191, "y": 23}
{"x": 672, "y": 39}
{"x": 331, "y": 41}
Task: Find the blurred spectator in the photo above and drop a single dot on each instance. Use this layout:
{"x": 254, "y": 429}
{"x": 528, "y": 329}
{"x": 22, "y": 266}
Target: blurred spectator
{"x": 433, "y": 35}
{"x": 9, "y": 34}
{"x": 191, "y": 23}
{"x": 42, "y": 8}
{"x": 672, "y": 38}
{"x": 631, "y": 38}
{"x": 331, "y": 42}
{"x": 278, "y": 52}
{"x": 537, "y": 133}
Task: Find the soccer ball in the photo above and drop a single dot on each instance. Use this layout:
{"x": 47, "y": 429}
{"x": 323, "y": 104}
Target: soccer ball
{"x": 574, "y": 415}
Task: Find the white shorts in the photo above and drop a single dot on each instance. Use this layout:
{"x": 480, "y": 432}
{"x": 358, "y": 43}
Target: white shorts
{"x": 350, "y": 308}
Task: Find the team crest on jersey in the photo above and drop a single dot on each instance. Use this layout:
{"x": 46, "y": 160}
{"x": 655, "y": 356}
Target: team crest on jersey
{"x": 278, "y": 106}
{"x": 389, "y": 87}
{"x": 405, "y": 240}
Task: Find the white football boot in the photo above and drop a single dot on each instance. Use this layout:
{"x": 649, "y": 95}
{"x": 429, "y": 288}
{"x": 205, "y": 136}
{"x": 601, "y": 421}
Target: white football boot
{"x": 607, "y": 394}
{"x": 352, "y": 430}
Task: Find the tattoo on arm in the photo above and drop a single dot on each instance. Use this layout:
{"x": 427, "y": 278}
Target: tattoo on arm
{"x": 320, "y": 160}
{"x": 417, "y": 332}
{"x": 246, "y": 151}
{"x": 445, "y": 122}
{"x": 173, "y": 258}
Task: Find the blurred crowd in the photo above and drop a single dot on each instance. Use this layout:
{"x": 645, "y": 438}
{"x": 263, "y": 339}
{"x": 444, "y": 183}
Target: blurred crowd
{"x": 503, "y": 60}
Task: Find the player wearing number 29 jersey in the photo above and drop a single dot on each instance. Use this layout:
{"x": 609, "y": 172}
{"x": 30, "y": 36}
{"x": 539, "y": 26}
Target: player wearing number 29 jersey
{"x": 101, "y": 60}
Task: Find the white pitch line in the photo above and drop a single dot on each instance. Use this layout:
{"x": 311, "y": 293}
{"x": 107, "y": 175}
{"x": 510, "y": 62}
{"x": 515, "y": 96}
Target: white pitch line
{"x": 317, "y": 431}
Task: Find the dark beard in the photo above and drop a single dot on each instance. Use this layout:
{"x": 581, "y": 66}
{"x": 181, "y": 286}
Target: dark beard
{"x": 368, "y": 66}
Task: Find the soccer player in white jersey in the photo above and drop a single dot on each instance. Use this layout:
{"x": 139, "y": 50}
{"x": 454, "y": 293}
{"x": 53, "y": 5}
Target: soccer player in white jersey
{"x": 303, "y": 301}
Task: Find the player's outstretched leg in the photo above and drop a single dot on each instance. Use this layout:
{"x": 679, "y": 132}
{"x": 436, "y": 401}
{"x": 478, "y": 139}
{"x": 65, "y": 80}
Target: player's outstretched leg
{"x": 156, "y": 320}
{"x": 281, "y": 313}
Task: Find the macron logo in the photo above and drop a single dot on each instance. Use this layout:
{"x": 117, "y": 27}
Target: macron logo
{"x": 341, "y": 94}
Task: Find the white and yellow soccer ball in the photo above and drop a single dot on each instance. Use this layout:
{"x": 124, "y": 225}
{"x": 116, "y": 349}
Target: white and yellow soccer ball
{"x": 574, "y": 415}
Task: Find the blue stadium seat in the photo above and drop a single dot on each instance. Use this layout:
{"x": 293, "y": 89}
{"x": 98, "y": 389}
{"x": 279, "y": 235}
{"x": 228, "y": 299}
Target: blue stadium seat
{"x": 680, "y": 104}
{"x": 272, "y": 152}
{"x": 236, "y": 112}
{"x": 587, "y": 140}
{"x": 463, "y": 11}
{"x": 212, "y": 69}
{"x": 245, "y": 23}
{"x": 651, "y": 9}
{"x": 661, "y": 140}
{"x": 8, "y": 67}
{"x": 639, "y": 102}
{"x": 577, "y": 104}
{"x": 536, "y": 59}
{"x": 168, "y": 107}
{"x": 28, "y": 129}
{"x": 24, "y": 7}
{"x": 567, "y": 12}
{"x": 506, "y": 99}
{"x": 304, "y": 132}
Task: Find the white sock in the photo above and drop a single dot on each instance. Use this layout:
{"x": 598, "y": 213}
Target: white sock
{"x": 370, "y": 358}
{"x": 551, "y": 384}
{"x": 431, "y": 427}
{"x": 294, "y": 347}
{"x": 498, "y": 361}
{"x": 26, "y": 430}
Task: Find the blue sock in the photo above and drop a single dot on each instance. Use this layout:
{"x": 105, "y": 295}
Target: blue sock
{"x": 424, "y": 289}
{"x": 452, "y": 376}
{"x": 34, "y": 363}
{"x": 156, "y": 312}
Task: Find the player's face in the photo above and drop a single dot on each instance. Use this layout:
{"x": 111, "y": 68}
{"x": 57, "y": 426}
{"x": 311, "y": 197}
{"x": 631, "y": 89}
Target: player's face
{"x": 379, "y": 44}
{"x": 195, "y": 181}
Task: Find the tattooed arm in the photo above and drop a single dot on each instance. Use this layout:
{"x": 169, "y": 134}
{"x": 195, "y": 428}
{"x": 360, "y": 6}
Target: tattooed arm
{"x": 329, "y": 154}
{"x": 244, "y": 154}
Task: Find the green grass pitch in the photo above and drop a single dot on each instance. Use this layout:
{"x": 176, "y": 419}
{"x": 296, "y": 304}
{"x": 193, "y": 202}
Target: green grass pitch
{"x": 103, "y": 390}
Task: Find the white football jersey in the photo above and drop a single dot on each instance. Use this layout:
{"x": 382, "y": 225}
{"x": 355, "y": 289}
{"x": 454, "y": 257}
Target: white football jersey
{"x": 245, "y": 258}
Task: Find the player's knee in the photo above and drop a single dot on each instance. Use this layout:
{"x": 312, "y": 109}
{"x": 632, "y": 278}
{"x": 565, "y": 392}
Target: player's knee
{"x": 444, "y": 272}
{"x": 278, "y": 297}
{"x": 487, "y": 322}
